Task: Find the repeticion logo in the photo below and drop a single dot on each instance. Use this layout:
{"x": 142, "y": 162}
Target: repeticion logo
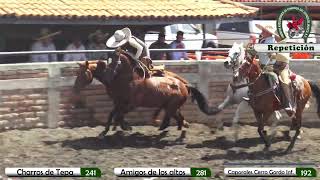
{"x": 298, "y": 27}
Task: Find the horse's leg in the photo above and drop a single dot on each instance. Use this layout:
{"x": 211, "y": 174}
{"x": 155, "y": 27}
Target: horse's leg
{"x": 235, "y": 122}
{"x": 259, "y": 117}
{"x": 296, "y": 124}
{"x": 223, "y": 105}
{"x": 166, "y": 121}
{"x": 108, "y": 124}
{"x": 155, "y": 116}
{"x": 179, "y": 118}
{"x": 274, "y": 124}
{"x": 170, "y": 111}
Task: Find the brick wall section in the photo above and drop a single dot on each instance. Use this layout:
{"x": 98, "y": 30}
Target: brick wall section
{"x": 23, "y": 108}
{"x": 28, "y": 93}
{"x": 23, "y": 73}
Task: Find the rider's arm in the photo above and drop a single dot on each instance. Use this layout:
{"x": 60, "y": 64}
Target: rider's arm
{"x": 136, "y": 45}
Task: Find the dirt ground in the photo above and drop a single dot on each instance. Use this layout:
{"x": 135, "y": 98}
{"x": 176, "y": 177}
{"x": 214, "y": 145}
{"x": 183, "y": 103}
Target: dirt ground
{"x": 145, "y": 147}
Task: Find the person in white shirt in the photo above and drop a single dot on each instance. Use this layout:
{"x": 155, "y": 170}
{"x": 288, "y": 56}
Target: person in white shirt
{"x": 178, "y": 44}
{"x": 44, "y": 43}
{"x": 75, "y": 45}
{"x": 267, "y": 36}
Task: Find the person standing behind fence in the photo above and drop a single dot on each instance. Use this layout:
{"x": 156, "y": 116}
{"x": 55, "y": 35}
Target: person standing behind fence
{"x": 97, "y": 42}
{"x": 75, "y": 45}
{"x": 44, "y": 43}
{"x": 178, "y": 44}
{"x": 159, "y": 44}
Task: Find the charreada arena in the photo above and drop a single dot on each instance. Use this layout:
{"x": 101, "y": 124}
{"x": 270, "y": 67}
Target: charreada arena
{"x": 159, "y": 89}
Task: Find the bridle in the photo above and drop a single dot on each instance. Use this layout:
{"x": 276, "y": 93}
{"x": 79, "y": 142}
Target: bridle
{"x": 233, "y": 62}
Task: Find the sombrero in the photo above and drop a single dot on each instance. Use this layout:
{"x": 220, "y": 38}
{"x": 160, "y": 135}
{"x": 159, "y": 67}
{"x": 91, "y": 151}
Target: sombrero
{"x": 282, "y": 57}
{"x": 45, "y": 33}
{"x": 119, "y": 38}
{"x": 267, "y": 28}
{"x": 97, "y": 33}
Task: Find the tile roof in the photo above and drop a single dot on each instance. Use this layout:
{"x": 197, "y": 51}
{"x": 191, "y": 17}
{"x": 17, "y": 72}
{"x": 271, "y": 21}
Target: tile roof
{"x": 278, "y": 1}
{"x": 123, "y": 9}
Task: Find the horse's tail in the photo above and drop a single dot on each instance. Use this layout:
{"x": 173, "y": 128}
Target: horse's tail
{"x": 316, "y": 91}
{"x": 202, "y": 102}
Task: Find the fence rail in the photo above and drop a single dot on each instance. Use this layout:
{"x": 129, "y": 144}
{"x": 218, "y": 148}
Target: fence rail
{"x": 19, "y": 53}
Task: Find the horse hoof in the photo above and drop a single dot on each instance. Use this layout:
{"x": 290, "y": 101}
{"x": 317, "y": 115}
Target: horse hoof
{"x": 186, "y": 124}
{"x": 266, "y": 148}
{"x": 102, "y": 134}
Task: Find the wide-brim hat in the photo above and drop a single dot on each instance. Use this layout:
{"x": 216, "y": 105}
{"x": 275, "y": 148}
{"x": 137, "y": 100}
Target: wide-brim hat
{"x": 45, "y": 34}
{"x": 119, "y": 38}
{"x": 282, "y": 57}
{"x": 97, "y": 33}
{"x": 267, "y": 28}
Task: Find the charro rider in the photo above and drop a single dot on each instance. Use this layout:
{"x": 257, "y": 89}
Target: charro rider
{"x": 281, "y": 67}
{"x": 124, "y": 40}
{"x": 267, "y": 36}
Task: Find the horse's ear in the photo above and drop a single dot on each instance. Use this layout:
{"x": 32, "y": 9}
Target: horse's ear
{"x": 87, "y": 64}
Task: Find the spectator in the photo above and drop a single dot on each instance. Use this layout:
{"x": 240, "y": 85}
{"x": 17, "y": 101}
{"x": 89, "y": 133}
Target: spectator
{"x": 178, "y": 44}
{"x": 159, "y": 44}
{"x": 97, "y": 42}
{"x": 44, "y": 43}
{"x": 75, "y": 45}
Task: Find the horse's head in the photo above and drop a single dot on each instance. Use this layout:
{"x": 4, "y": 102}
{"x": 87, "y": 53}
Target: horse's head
{"x": 84, "y": 75}
{"x": 235, "y": 58}
{"x": 250, "y": 69}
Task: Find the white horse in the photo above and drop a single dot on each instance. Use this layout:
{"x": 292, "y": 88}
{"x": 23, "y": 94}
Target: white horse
{"x": 237, "y": 91}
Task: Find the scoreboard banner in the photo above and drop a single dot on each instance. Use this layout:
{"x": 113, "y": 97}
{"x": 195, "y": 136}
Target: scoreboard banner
{"x": 52, "y": 172}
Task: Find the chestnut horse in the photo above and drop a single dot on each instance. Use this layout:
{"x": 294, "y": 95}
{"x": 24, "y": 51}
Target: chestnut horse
{"x": 146, "y": 64}
{"x": 129, "y": 92}
{"x": 264, "y": 102}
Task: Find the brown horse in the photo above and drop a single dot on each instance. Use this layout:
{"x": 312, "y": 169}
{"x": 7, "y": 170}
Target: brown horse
{"x": 147, "y": 66}
{"x": 264, "y": 102}
{"x": 129, "y": 92}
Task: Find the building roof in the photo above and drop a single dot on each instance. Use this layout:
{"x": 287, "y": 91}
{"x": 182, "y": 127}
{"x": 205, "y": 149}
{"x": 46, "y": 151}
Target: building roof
{"x": 132, "y": 10}
{"x": 279, "y": 1}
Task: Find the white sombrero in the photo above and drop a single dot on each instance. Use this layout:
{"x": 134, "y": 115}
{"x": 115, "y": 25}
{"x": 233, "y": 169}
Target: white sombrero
{"x": 267, "y": 28}
{"x": 119, "y": 38}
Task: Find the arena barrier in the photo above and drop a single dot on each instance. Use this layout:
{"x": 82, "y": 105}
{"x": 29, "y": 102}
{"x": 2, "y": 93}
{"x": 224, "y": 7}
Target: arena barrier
{"x": 39, "y": 95}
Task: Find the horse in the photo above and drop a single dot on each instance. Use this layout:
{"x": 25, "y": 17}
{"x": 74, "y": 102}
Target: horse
{"x": 264, "y": 102}
{"x": 128, "y": 92}
{"x": 144, "y": 66}
{"x": 237, "y": 90}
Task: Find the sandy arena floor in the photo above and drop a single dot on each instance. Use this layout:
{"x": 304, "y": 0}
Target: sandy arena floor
{"x": 144, "y": 146}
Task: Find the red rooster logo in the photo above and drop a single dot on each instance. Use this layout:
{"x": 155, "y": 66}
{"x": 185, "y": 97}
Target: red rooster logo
{"x": 295, "y": 27}
{"x": 295, "y": 23}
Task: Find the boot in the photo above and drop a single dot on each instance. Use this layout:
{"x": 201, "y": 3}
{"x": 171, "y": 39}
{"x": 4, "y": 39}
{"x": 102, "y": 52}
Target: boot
{"x": 288, "y": 102}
